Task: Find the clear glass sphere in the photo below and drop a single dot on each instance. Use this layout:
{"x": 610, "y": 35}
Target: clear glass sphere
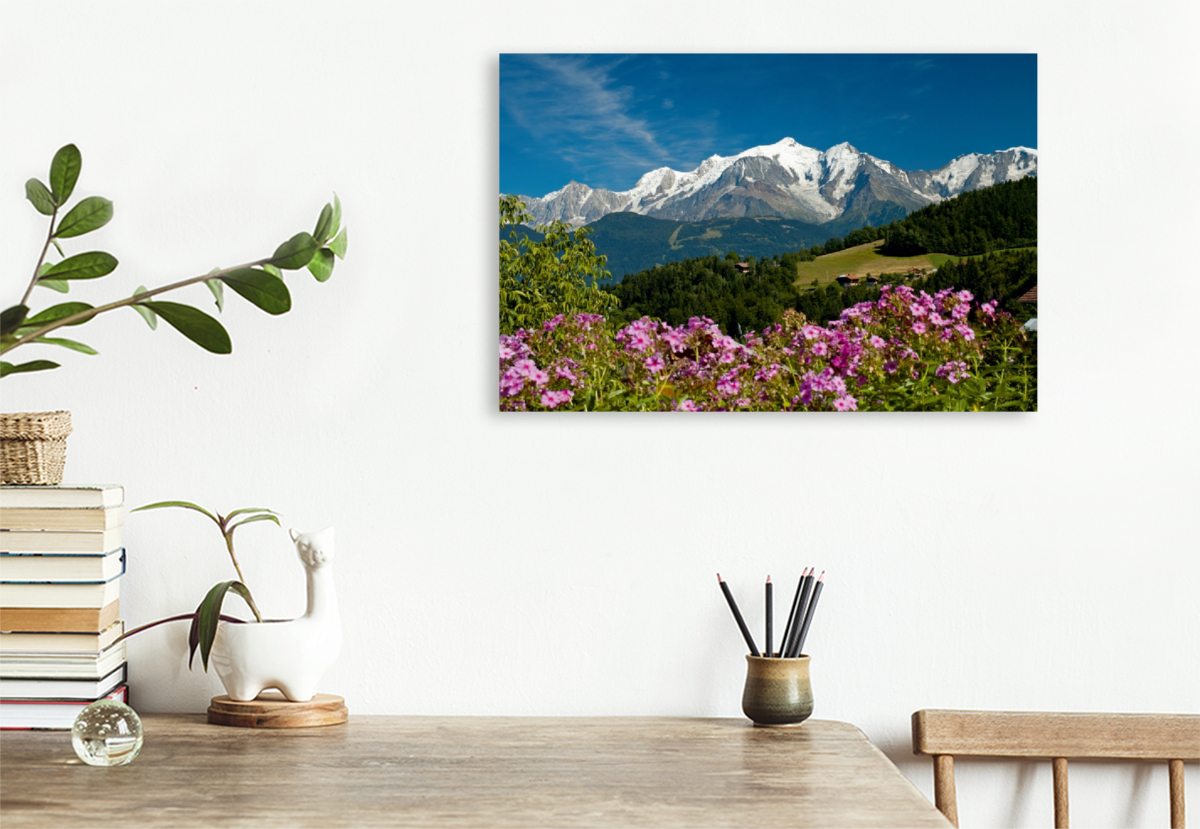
{"x": 107, "y": 733}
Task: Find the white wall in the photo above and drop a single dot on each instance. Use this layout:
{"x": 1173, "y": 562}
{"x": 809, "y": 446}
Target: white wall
{"x": 563, "y": 566}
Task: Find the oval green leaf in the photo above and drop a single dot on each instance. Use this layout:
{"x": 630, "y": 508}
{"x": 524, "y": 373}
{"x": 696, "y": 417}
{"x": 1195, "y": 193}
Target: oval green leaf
{"x": 194, "y": 324}
{"x": 91, "y": 213}
{"x": 89, "y": 265}
{"x": 64, "y": 172}
{"x": 60, "y": 285}
{"x": 337, "y": 214}
{"x": 218, "y": 292}
{"x": 65, "y": 343}
{"x": 325, "y": 227}
{"x": 39, "y": 195}
{"x": 338, "y": 245}
{"x": 321, "y": 264}
{"x": 57, "y": 312}
{"x": 261, "y": 288}
{"x": 11, "y": 318}
{"x": 145, "y": 313}
{"x": 36, "y": 365}
{"x": 295, "y": 253}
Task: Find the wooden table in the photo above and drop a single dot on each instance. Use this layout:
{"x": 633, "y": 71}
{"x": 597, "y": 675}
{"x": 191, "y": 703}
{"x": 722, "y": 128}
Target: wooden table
{"x": 466, "y": 771}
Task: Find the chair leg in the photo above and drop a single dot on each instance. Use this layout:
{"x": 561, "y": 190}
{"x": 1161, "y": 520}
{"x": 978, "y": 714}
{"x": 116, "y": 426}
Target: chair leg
{"x": 1178, "y": 821}
{"x": 1062, "y": 817}
{"x": 943, "y": 787}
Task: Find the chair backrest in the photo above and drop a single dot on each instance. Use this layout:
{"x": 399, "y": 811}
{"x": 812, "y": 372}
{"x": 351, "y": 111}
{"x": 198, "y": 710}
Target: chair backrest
{"x": 945, "y": 735}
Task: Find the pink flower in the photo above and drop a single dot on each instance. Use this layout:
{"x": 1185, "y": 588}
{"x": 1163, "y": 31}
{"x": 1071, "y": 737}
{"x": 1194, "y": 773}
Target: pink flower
{"x": 686, "y": 406}
{"x": 551, "y": 324}
{"x": 638, "y": 339}
{"x": 505, "y": 352}
{"x": 525, "y": 367}
{"x": 845, "y": 404}
{"x": 728, "y": 384}
{"x": 877, "y": 341}
{"x": 654, "y": 364}
{"x": 966, "y": 331}
{"x": 820, "y": 348}
{"x": 810, "y": 332}
{"x": 918, "y": 327}
{"x": 553, "y": 399}
{"x": 511, "y": 383}
{"x": 538, "y": 376}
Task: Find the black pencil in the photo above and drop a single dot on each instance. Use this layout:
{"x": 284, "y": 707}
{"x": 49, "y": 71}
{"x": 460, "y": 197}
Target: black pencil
{"x": 808, "y": 616}
{"x": 790, "y": 649}
{"x": 770, "y": 613}
{"x": 737, "y": 615}
{"x": 791, "y": 622}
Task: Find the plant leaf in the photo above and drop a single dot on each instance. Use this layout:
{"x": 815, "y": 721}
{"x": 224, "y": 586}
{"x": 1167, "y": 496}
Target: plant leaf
{"x": 149, "y": 316}
{"x": 218, "y": 291}
{"x": 208, "y": 615}
{"x": 65, "y": 343}
{"x": 39, "y": 195}
{"x": 245, "y": 510}
{"x": 183, "y": 504}
{"x": 325, "y": 227}
{"x": 91, "y": 213}
{"x": 89, "y": 265}
{"x": 194, "y": 324}
{"x": 321, "y": 265}
{"x": 11, "y": 319}
{"x": 338, "y": 245}
{"x": 337, "y": 214}
{"x": 60, "y": 285}
{"x": 261, "y": 288}
{"x": 36, "y": 365}
{"x": 64, "y": 172}
{"x": 271, "y": 269}
{"x": 56, "y": 312}
{"x": 252, "y": 519}
{"x": 295, "y": 252}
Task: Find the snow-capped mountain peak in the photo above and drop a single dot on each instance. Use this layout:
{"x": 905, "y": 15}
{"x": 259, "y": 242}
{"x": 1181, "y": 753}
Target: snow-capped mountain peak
{"x": 785, "y": 179}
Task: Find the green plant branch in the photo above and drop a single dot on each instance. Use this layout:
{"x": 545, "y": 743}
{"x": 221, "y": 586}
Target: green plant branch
{"x": 83, "y": 316}
{"x": 178, "y": 618}
{"x": 37, "y": 269}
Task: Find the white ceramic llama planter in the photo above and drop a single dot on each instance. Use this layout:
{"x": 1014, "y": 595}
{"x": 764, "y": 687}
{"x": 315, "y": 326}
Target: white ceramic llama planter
{"x": 291, "y": 655}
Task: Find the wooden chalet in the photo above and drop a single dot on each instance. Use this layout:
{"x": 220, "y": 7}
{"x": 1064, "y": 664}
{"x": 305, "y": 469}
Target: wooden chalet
{"x": 1029, "y": 296}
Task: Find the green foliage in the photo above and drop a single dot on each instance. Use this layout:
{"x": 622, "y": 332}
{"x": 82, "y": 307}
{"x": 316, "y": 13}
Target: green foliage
{"x": 208, "y": 613}
{"x": 260, "y": 282}
{"x": 991, "y": 218}
{"x": 559, "y": 274}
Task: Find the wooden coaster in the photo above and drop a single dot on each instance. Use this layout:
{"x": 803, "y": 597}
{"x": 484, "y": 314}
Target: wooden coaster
{"x": 271, "y": 709}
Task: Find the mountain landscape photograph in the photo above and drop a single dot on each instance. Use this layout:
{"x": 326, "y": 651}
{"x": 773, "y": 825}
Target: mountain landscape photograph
{"x": 768, "y": 232}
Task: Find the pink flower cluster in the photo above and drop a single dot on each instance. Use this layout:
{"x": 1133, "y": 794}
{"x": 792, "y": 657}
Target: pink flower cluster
{"x": 905, "y": 336}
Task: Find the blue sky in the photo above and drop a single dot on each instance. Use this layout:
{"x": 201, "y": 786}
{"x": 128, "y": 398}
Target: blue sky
{"x": 605, "y": 119}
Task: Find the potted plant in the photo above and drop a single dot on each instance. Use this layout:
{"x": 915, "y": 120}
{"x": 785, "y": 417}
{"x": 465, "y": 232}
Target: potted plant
{"x": 249, "y": 657}
{"x": 34, "y": 444}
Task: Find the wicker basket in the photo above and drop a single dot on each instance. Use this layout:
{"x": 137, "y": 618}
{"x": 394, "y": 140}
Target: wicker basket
{"x": 33, "y": 447}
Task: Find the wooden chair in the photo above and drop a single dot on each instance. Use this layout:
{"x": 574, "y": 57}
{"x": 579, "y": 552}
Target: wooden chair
{"x": 945, "y": 735}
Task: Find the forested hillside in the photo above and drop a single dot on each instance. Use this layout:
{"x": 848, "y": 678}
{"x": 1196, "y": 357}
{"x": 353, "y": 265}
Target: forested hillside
{"x": 1002, "y": 216}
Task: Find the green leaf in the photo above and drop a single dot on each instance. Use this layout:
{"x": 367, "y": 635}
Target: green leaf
{"x": 338, "y": 245}
{"x": 208, "y": 615}
{"x": 36, "y": 365}
{"x": 183, "y": 504}
{"x": 11, "y": 319}
{"x": 325, "y": 227}
{"x": 271, "y": 269}
{"x": 91, "y": 213}
{"x": 60, "y": 285}
{"x": 261, "y": 288}
{"x": 65, "y": 343}
{"x": 39, "y": 195}
{"x": 149, "y": 316}
{"x": 83, "y": 266}
{"x": 251, "y": 520}
{"x": 245, "y": 510}
{"x": 295, "y": 252}
{"x": 64, "y": 172}
{"x": 56, "y": 312}
{"x": 194, "y": 324}
{"x": 321, "y": 265}
{"x": 337, "y": 214}
{"x": 218, "y": 291}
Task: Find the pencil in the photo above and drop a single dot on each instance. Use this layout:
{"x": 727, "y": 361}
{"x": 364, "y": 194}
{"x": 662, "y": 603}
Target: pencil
{"x": 791, "y": 622}
{"x": 808, "y": 616}
{"x": 790, "y": 649}
{"x": 770, "y": 613}
{"x": 737, "y": 615}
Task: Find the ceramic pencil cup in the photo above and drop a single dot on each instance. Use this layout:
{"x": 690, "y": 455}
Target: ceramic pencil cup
{"x": 778, "y": 691}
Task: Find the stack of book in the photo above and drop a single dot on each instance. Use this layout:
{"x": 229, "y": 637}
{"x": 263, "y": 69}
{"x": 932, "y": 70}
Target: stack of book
{"x": 61, "y": 562}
